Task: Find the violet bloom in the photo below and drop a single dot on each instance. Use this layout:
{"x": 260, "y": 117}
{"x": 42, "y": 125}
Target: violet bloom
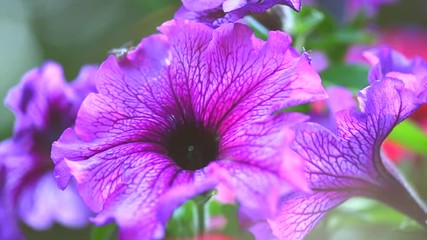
{"x": 323, "y": 112}
{"x": 347, "y": 10}
{"x": 349, "y": 162}
{"x": 367, "y": 7}
{"x": 9, "y": 227}
{"x": 44, "y": 105}
{"x": 187, "y": 109}
{"x": 217, "y": 12}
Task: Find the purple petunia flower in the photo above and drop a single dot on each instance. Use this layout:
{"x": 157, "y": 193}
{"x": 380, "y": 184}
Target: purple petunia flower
{"x": 187, "y": 109}
{"x": 368, "y": 7}
{"x": 347, "y": 10}
{"x": 349, "y": 163}
{"x": 9, "y": 227}
{"x": 44, "y": 105}
{"x": 217, "y": 12}
{"x": 339, "y": 98}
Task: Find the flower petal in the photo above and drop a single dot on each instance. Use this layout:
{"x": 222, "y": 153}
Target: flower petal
{"x": 201, "y": 5}
{"x": 300, "y": 213}
{"x": 339, "y": 98}
{"x": 242, "y": 79}
{"x": 385, "y": 60}
{"x": 29, "y": 101}
{"x": 349, "y": 163}
{"x": 125, "y": 183}
{"x": 43, "y": 204}
{"x": 214, "y": 13}
{"x": 9, "y": 227}
{"x": 253, "y": 163}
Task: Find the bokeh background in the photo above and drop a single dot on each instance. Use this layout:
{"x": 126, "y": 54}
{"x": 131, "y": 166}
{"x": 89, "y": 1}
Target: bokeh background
{"x": 79, "y": 32}
{"x": 71, "y": 32}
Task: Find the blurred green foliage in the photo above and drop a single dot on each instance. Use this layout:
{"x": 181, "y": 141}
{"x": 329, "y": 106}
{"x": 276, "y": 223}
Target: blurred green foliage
{"x": 185, "y": 221}
{"x": 361, "y": 218}
{"x": 195, "y": 218}
{"x": 105, "y": 232}
{"x": 411, "y": 136}
{"x": 352, "y": 76}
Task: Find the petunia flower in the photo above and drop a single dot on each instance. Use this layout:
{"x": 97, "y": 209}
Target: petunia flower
{"x": 350, "y": 163}
{"x": 44, "y": 105}
{"x": 347, "y": 10}
{"x": 9, "y": 227}
{"x": 187, "y": 109}
{"x": 217, "y": 12}
{"x": 409, "y": 42}
{"x": 368, "y": 7}
{"x": 323, "y": 112}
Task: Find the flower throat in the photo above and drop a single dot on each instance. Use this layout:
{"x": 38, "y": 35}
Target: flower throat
{"x": 192, "y": 146}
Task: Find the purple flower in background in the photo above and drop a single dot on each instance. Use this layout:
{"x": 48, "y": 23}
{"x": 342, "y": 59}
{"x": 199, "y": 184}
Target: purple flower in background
{"x": 44, "y": 105}
{"x": 217, "y": 12}
{"x": 187, "y": 109}
{"x": 9, "y": 227}
{"x": 323, "y": 112}
{"x": 349, "y": 163}
{"x": 347, "y": 10}
{"x": 368, "y": 7}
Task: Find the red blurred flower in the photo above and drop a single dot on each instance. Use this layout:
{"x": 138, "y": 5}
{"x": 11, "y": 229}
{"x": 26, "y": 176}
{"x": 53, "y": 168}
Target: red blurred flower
{"x": 396, "y": 152}
{"x": 409, "y": 41}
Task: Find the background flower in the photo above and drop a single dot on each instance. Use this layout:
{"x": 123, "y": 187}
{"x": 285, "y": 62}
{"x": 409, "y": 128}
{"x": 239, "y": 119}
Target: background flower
{"x": 44, "y": 105}
{"x": 348, "y": 10}
{"x": 9, "y": 228}
{"x": 217, "y": 12}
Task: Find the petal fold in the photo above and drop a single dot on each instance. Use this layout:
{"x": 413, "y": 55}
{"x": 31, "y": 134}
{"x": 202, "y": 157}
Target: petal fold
{"x": 349, "y": 162}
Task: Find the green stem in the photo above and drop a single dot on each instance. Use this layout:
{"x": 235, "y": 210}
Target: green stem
{"x": 201, "y": 218}
{"x": 201, "y": 202}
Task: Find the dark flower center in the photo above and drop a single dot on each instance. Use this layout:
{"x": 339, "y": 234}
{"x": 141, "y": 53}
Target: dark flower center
{"x": 57, "y": 119}
{"x": 192, "y": 147}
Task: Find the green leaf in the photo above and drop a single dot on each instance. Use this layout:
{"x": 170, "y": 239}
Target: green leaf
{"x": 410, "y": 135}
{"x": 303, "y": 108}
{"x": 260, "y": 30}
{"x": 105, "y": 232}
{"x": 213, "y": 208}
{"x": 229, "y": 212}
{"x": 303, "y": 22}
{"x": 352, "y": 76}
{"x": 333, "y": 38}
{"x": 232, "y": 227}
{"x": 184, "y": 221}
